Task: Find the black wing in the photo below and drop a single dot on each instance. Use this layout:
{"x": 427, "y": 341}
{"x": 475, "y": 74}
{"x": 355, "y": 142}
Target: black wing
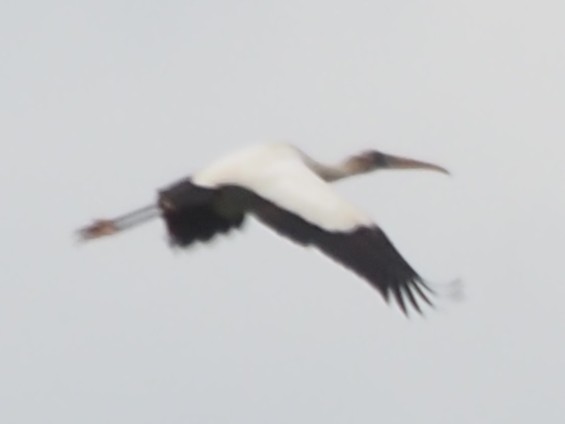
{"x": 193, "y": 213}
{"x": 365, "y": 250}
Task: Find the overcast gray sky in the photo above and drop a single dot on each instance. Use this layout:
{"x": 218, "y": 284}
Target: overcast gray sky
{"x": 103, "y": 102}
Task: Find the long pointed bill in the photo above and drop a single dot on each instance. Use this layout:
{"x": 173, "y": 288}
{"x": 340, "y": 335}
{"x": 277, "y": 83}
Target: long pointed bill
{"x": 397, "y": 162}
{"x": 108, "y": 227}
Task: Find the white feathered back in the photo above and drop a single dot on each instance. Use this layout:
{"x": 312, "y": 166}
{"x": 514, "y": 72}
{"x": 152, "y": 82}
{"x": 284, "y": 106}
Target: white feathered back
{"x": 279, "y": 173}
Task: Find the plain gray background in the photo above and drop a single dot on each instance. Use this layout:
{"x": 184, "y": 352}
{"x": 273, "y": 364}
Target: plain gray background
{"x": 103, "y": 102}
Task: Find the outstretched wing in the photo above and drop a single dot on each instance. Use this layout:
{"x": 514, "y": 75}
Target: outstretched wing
{"x": 287, "y": 196}
{"x": 366, "y": 250}
{"x": 191, "y": 213}
{"x": 301, "y": 206}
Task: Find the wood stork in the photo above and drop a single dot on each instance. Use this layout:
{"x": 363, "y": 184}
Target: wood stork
{"x": 286, "y": 190}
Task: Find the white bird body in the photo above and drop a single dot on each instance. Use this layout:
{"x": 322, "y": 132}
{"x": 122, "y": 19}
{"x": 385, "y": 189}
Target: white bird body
{"x": 277, "y": 172}
{"x": 289, "y": 192}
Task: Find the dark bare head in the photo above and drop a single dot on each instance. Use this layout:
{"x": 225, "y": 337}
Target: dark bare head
{"x": 369, "y": 161}
{"x": 373, "y": 160}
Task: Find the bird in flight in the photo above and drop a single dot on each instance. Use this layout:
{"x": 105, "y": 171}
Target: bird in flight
{"x": 288, "y": 191}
